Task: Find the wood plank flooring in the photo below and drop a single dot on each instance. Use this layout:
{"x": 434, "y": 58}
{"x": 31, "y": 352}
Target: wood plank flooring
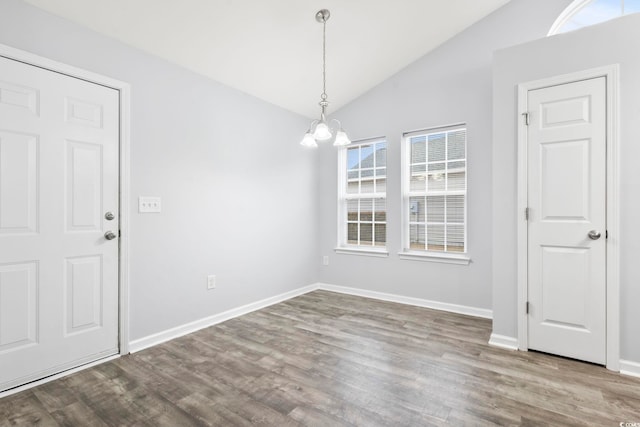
{"x": 326, "y": 359}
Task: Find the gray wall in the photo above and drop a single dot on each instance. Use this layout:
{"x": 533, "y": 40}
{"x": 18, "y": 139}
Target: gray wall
{"x": 614, "y": 42}
{"x": 450, "y": 85}
{"x": 239, "y": 194}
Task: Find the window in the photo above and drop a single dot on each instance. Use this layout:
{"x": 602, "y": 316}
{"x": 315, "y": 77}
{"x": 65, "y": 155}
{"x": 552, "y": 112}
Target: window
{"x": 363, "y": 196}
{"x": 582, "y": 13}
{"x": 435, "y": 191}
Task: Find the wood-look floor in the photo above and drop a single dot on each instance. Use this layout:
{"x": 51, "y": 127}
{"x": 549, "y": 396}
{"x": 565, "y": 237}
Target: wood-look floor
{"x": 326, "y": 359}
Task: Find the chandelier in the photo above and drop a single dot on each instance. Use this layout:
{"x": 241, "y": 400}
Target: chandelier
{"x": 320, "y": 130}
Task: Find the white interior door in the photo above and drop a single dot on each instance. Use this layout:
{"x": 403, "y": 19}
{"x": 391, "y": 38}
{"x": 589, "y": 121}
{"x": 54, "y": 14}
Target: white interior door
{"x": 58, "y": 179}
{"x": 567, "y": 220}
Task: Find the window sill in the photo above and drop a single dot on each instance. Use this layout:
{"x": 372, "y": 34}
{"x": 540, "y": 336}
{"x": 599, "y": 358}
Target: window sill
{"x": 434, "y": 257}
{"x": 380, "y": 253}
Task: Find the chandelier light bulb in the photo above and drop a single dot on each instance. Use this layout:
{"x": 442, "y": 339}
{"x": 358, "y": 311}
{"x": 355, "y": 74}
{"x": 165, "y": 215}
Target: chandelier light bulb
{"x": 341, "y": 139}
{"x": 322, "y": 132}
{"x": 309, "y": 141}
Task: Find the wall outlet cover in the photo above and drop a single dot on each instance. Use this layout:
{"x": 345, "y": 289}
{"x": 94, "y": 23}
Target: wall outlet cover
{"x": 211, "y": 281}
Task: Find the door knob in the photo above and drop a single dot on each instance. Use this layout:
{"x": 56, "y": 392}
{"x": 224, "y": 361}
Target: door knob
{"x": 110, "y": 235}
{"x": 594, "y": 235}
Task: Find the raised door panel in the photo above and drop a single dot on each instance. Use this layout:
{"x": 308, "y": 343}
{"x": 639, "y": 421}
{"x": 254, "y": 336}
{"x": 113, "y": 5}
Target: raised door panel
{"x": 84, "y": 294}
{"x": 565, "y": 298}
{"x": 84, "y": 186}
{"x": 18, "y": 305}
{"x": 565, "y": 183}
{"x": 18, "y": 183}
{"x": 565, "y": 112}
{"x": 20, "y": 97}
{"x": 83, "y": 113}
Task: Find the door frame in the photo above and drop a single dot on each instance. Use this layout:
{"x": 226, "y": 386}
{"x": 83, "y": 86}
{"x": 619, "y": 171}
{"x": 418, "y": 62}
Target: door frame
{"x": 611, "y": 74}
{"x": 124, "y": 90}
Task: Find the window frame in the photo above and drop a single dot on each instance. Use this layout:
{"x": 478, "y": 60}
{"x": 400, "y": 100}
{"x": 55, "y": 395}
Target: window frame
{"x": 407, "y": 252}
{"x": 343, "y": 247}
{"x": 573, "y": 9}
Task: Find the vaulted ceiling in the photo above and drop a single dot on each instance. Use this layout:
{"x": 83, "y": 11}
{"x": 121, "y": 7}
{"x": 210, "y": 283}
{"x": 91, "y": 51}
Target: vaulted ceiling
{"x": 272, "y": 49}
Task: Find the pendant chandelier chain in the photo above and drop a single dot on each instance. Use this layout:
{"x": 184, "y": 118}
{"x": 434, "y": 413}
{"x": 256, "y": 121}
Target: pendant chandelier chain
{"x": 324, "y": 61}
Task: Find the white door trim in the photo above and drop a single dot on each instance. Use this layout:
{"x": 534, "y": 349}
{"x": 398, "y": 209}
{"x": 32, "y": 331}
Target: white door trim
{"x": 611, "y": 73}
{"x": 124, "y": 89}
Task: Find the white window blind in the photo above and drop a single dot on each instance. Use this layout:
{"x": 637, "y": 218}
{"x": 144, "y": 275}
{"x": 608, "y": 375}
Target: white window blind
{"x": 363, "y": 195}
{"x": 435, "y": 190}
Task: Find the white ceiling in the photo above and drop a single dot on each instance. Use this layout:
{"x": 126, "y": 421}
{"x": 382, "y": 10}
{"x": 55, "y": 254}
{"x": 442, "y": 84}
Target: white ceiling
{"x": 272, "y": 49}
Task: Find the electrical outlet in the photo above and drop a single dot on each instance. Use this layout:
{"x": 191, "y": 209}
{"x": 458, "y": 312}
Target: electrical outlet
{"x": 325, "y": 260}
{"x": 211, "y": 282}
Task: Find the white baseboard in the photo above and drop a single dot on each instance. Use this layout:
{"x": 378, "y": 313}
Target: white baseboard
{"x": 630, "y": 368}
{"x": 169, "y": 334}
{"x": 503, "y": 341}
{"x": 443, "y": 306}
{"x": 160, "y": 337}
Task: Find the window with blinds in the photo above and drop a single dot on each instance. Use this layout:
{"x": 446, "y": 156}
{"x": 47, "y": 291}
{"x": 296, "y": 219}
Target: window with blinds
{"x": 435, "y": 190}
{"x": 363, "y": 195}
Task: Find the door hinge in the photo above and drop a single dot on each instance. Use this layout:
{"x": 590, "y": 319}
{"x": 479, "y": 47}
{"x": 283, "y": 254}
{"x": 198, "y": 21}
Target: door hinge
{"x": 526, "y": 307}
{"x": 526, "y": 118}
{"x": 526, "y": 214}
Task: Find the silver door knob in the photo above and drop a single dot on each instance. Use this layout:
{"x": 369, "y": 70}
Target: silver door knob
{"x": 594, "y": 235}
{"x": 110, "y": 235}
{"x": 109, "y": 216}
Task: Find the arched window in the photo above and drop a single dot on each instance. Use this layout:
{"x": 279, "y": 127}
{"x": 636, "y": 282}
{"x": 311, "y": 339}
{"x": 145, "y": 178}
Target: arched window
{"x": 582, "y": 13}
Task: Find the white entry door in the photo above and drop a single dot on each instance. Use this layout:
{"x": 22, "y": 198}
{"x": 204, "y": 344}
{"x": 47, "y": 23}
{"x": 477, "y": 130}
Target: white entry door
{"x": 59, "y": 142}
{"x": 567, "y": 220}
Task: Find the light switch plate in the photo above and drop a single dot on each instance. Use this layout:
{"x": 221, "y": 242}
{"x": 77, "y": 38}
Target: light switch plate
{"x": 149, "y": 204}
